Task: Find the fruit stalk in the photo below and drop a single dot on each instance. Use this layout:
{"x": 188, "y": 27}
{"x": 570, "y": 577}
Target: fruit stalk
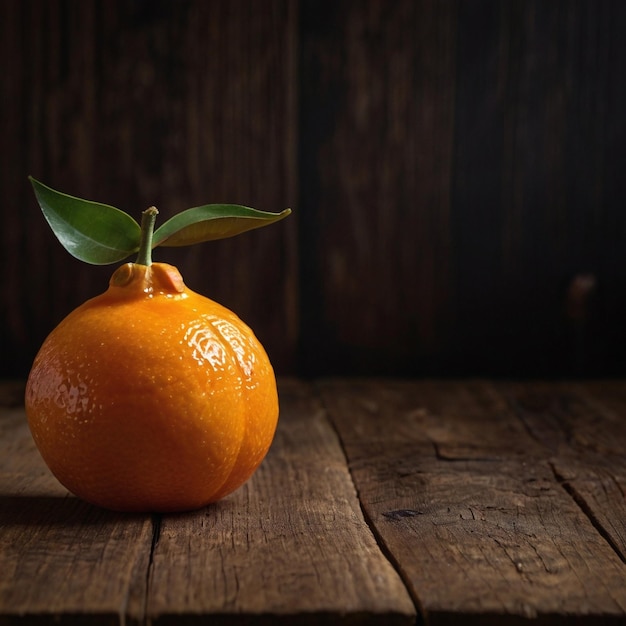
{"x": 148, "y": 219}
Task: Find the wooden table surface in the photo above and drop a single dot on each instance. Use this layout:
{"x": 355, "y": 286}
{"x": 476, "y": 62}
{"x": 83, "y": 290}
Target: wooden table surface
{"x": 386, "y": 502}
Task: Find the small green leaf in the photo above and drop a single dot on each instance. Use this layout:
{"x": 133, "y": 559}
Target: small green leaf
{"x": 95, "y": 233}
{"x": 212, "y": 221}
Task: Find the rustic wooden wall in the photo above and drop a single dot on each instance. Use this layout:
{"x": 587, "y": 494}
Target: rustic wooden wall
{"x": 455, "y": 169}
{"x": 463, "y": 162}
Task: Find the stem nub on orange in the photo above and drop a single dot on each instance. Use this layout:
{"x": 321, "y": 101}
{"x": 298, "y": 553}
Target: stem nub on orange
{"x": 151, "y": 397}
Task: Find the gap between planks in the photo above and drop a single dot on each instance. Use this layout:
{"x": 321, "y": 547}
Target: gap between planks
{"x": 382, "y": 545}
{"x": 467, "y": 503}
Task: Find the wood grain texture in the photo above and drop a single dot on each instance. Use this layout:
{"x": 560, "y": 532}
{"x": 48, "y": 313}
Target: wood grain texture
{"x": 534, "y": 205}
{"x": 472, "y": 506}
{"x": 381, "y": 501}
{"x": 175, "y": 104}
{"x": 458, "y": 172}
{"x": 377, "y": 93}
{"x": 583, "y": 427}
{"x": 290, "y": 547}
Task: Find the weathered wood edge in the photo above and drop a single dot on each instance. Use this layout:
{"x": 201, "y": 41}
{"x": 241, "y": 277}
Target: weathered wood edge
{"x": 582, "y": 425}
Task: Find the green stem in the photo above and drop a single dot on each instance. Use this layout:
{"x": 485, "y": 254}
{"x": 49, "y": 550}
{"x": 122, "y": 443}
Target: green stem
{"x": 148, "y": 218}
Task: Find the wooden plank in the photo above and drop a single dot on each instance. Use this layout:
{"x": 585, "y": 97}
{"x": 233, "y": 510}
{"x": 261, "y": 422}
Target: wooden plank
{"x": 534, "y": 189}
{"x": 377, "y": 131}
{"x": 584, "y": 428}
{"x": 61, "y": 560}
{"x": 290, "y": 545}
{"x": 458, "y": 172}
{"x": 467, "y": 504}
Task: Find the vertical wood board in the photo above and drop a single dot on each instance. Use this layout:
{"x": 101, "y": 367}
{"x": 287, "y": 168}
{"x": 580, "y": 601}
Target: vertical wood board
{"x": 377, "y": 105}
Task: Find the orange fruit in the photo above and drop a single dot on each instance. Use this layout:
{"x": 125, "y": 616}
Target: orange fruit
{"x": 151, "y": 397}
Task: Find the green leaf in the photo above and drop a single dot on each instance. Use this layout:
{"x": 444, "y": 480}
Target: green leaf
{"x": 101, "y": 234}
{"x": 95, "y": 233}
{"x": 210, "y": 222}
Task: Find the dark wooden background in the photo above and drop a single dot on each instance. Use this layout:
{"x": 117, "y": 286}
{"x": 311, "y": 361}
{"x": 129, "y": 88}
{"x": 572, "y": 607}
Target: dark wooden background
{"x": 456, "y": 170}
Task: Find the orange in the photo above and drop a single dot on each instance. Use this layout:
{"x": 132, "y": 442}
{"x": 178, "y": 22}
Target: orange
{"x": 151, "y": 397}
